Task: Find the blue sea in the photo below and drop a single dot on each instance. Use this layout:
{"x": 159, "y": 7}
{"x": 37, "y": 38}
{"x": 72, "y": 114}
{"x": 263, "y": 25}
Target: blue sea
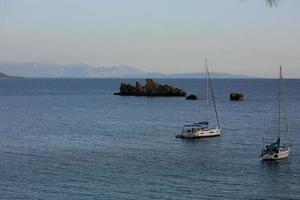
{"x": 73, "y": 139}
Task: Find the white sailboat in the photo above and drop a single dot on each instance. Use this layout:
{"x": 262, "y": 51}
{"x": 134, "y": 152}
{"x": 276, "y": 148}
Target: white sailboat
{"x": 276, "y": 150}
{"x": 203, "y": 129}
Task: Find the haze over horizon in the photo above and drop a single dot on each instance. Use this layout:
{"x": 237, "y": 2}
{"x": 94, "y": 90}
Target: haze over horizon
{"x": 80, "y": 70}
{"x": 238, "y": 37}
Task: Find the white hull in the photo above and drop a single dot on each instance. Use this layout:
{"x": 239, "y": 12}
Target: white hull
{"x": 200, "y": 133}
{"x": 283, "y": 153}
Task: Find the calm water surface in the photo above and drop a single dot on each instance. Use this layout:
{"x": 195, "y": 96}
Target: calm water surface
{"x": 72, "y": 139}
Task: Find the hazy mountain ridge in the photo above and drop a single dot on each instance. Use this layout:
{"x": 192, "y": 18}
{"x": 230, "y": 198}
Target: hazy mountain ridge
{"x": 194, "y": 75}
{"x": 5, "y": 76}
{"x": 50, "y": 70}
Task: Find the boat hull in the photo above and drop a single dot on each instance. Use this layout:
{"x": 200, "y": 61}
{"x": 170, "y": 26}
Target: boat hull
{"x": 282, "y": 154}
{"x": 200, "y": 134}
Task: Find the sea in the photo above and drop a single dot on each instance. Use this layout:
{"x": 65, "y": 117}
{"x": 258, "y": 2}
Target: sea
{"x": 73, "y": 139}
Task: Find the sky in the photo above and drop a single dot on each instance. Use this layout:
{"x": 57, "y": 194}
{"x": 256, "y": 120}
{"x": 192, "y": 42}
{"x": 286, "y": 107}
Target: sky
{"x": 169, "y": 36}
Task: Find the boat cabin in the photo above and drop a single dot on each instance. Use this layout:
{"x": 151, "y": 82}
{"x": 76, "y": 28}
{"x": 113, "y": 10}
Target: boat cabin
{"x": 193, "y": 128}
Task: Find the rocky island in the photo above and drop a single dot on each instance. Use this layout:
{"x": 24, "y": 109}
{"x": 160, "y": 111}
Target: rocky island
{"x": 150, "y": 89}
{"x": 236, "y": 97}
{"x": 191, "y": 97}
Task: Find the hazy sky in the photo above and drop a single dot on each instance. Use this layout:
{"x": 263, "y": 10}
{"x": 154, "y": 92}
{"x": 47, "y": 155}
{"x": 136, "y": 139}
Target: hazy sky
{"x": 170, "y": 36}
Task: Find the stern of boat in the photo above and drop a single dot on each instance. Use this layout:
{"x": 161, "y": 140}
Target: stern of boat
{"x": 283, "y": 153}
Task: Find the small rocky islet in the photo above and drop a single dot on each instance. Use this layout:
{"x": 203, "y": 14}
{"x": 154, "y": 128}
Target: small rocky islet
{"x": 236, "y": 96}
{"x": 151, "y": 88}
{"x": 191, "y": 97}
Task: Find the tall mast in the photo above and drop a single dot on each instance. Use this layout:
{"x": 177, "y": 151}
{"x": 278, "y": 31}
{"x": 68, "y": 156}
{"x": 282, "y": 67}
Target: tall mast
{"x": 207, "y": 83}
{"x": 279, "y": 102}
{"x": 212, "y": 95}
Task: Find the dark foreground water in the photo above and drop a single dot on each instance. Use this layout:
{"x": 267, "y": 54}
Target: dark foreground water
{"x": 72, "y": 139}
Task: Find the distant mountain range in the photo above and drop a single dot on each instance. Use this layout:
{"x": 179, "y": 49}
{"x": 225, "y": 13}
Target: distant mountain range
{"x": 50, "y": 70}
{"x": 3, "y": 76}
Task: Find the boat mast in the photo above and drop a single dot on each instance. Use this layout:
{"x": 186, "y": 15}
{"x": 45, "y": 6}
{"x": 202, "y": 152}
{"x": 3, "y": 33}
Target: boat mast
{"x": 279, "y": 102}
{"x": 206, "y": 72}
{"x": 212, "y": 95}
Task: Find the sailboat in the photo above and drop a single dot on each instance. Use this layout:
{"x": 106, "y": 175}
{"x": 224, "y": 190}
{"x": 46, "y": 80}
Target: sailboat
{"x": 277, "y": 150}
{"x": 203, "y": 129}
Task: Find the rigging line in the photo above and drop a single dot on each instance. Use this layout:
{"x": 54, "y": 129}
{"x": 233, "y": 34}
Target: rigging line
{"x": 212, "y": 95}
{"x": 285, "y": 109}
{"x": 279, "y": 103}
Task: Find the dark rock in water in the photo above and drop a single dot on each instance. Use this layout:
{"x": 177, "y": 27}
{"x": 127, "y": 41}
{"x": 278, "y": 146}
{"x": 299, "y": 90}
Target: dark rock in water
{"x": 138, "y": 88}
{"x": 192, "y": 97}
{"x": 151, "y": 88}
{"x": 236, "y": 97}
